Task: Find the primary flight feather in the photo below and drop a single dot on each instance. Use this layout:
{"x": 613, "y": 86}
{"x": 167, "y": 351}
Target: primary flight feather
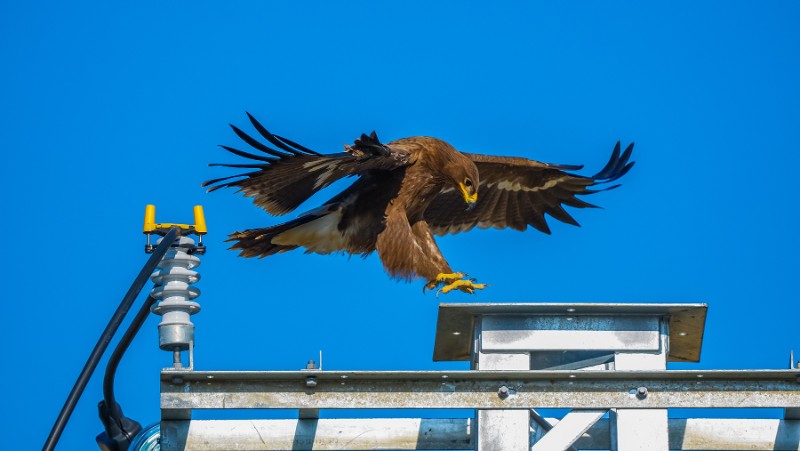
{"x": 407, "y": 191}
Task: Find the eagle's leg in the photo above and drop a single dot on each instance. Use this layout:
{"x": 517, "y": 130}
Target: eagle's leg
{"x": 410, "y": 249}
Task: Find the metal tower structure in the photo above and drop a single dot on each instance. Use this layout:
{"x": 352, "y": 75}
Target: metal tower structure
{"x": 604, "y": 364}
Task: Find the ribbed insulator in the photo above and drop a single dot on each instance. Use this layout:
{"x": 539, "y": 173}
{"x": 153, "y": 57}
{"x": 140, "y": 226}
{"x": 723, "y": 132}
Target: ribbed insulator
{"x": 173, "y": 280}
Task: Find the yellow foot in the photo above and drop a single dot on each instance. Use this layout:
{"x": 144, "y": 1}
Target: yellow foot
{"x": 454, "y": 281}
{"x": 443, "y": 279}
{"x": 465, "y": 285}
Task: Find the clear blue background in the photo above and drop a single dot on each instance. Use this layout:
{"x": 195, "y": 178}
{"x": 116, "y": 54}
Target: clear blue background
{"x": 108, "y": 107}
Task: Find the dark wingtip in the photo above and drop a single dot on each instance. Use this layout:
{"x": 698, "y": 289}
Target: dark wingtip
{"x": 257, "y": 145}
{"x": 281, "y": 143}
{"x": 244, "y": 154}
{"x": 617, "y": 165}
{"x": 627, "y": 154}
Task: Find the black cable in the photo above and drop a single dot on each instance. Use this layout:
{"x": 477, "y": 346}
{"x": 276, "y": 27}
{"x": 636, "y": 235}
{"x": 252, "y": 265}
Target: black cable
{"x": 120, "y": 430}
{"x": 122, "y": 346}
{"x": 106, "y": 336}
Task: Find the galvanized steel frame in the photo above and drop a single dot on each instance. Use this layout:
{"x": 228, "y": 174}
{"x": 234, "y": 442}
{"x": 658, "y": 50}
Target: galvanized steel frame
{"x": 514, "y": 350}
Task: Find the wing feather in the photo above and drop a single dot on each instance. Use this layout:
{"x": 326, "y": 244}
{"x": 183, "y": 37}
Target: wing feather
{"x": 534, "y": 216}
{"x": 291, "y": 173}
{"x": 514, "y": 217}
{"x": 517, "y": 192}
{"x": 499, "y": 212}
{"x": 277, "y": 142}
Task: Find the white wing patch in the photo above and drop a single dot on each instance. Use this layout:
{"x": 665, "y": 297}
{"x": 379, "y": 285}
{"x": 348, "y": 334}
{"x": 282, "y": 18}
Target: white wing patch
{"x": 516, "y": 186}
{"x": 321, "y": 235}
{"x": 317, "y": 165}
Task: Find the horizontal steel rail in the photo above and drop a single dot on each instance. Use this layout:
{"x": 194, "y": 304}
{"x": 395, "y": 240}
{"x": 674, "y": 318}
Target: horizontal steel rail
{"x": 182, "y": 391}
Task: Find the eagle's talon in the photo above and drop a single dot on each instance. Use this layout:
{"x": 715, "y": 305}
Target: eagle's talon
{"x": 465, "y": 285}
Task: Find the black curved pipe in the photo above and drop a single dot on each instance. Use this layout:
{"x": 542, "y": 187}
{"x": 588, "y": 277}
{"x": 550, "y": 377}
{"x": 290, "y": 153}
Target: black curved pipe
{"x": 119, "y": 429}
{"x": 122, "y": 346}
{"x": 106, "y": 336}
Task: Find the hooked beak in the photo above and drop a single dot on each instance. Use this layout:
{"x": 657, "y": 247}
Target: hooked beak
{"x": 470, "y": 199}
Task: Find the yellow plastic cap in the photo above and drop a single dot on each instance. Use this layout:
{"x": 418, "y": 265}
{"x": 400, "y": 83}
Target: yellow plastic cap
{"x": 199, "y": 220}
{"x": 150, "y": 219}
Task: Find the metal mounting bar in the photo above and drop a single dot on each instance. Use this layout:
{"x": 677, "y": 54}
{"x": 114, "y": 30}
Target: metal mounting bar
{"x": 181, "y": 392}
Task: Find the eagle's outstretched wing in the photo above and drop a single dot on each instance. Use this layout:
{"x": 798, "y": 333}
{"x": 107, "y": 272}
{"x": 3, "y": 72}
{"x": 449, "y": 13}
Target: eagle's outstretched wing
{"x": 517, "y": 192}
{"x": 285, "y": 177}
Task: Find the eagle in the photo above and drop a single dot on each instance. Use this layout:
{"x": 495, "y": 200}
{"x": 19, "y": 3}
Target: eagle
{"x": 406, "y": 192}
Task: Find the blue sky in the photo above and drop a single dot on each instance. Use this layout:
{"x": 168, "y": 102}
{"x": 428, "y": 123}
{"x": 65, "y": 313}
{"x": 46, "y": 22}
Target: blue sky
{"x": 108, "y": 107}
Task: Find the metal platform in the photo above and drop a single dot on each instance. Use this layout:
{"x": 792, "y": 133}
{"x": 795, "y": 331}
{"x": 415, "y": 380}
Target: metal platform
{"x": 605, "y": 362}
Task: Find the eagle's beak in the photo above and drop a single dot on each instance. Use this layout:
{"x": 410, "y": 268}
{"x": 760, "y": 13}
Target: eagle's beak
{"x": 470, "y": 199}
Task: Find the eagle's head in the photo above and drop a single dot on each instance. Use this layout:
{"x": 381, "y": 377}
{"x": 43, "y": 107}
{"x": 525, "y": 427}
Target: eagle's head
{"x": 450, "y": 168}
{"x": 463, "y": 175}
{"x": 466, "y": 180}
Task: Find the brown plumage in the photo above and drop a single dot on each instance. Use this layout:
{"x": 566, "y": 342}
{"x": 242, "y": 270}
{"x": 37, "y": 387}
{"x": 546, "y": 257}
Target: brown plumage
{"x": 407, "y": 191}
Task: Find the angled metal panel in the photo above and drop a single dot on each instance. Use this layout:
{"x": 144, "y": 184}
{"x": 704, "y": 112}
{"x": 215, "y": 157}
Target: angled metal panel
{"x": 456, "y": 323}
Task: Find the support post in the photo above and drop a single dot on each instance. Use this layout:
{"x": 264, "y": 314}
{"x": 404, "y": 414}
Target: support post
{"x": 642, "y": 429}
{"x": 502, "y": 430}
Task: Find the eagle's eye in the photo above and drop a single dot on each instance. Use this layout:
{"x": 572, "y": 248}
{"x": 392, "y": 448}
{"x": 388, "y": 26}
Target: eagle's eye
{"x": 468, "y": 183}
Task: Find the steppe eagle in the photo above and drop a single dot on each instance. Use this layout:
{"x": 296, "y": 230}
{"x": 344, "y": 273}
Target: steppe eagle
{"x": 406, "y": 192}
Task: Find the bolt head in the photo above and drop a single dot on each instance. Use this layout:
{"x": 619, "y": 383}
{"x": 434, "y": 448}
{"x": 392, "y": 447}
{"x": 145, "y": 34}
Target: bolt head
{"x": 641, "y": 392}
{"x": 503, "y": 392}
{"x": 311, "y": 382}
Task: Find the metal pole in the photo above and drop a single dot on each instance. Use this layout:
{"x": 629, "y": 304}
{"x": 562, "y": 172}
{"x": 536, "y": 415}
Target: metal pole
{"x": 106, "y": 336}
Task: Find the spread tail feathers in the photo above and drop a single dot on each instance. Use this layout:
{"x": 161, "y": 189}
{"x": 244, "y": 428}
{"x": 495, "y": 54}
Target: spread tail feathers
{"x": 258, "y": 242}
{"x": 317, "y": 231}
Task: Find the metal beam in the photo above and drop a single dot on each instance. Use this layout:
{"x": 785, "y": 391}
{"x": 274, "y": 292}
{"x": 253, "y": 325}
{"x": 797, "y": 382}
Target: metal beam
{"x": 325, "y": 434}
{"x": 451, "y": 434}
{"x": 182, "y": 391}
